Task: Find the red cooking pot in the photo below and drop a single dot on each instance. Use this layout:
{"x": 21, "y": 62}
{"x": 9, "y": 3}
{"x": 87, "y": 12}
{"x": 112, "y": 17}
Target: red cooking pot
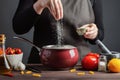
{"x": 63, "y": 56}
{"x": 56, "y": 56}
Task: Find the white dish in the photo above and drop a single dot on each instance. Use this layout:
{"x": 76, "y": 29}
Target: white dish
{"x": 14, "y": 59}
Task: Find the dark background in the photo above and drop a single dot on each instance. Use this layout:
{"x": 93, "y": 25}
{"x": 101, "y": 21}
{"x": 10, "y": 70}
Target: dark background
{"x": 111, "y": 16}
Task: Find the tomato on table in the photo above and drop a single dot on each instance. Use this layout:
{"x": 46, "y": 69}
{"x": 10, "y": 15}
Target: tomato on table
{"x": 93, "y": 54}
{"x": 90, "y": 61}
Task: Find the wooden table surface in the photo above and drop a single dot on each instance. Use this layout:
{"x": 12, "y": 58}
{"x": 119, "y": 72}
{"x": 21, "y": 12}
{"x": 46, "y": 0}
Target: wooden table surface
{"x": 48, "y": 74}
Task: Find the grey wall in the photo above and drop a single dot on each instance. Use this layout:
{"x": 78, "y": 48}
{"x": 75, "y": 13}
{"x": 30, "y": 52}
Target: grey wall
{"x": 112, "y": 24}
{"x": 7, "y": 10}
{"x": 111, "y": 20}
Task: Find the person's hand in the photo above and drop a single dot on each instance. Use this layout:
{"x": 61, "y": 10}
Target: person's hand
{"x": 54, "y": 6}
{"x": 91, "y": 31}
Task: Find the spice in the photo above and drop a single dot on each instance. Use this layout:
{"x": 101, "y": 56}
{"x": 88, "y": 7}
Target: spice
{"x": 102, "y": 63}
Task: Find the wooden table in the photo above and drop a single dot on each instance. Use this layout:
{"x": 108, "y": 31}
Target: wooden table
{"x": 47, "y": 74}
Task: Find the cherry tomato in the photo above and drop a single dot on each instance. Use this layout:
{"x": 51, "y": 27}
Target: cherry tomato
{"x": 18, "y": 50}
{"x": 10, "y": 50}
{"x": 89, "y": 63}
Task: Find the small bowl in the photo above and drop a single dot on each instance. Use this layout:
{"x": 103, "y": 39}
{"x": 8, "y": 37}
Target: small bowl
{"x": 116, "y": 54}
{"x": 14, "y": 59}
{"x": 113, "y": 55}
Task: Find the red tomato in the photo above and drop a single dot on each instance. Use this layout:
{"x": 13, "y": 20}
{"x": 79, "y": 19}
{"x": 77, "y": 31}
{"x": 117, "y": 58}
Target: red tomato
{"x": 90, "y": 63}
{"x": 18, "y": 50}
{"x": 93, "y": 54}
{"x": 97, "y": 55}
{"x": 90, "y": 54}
{"x": 9, "y": 51}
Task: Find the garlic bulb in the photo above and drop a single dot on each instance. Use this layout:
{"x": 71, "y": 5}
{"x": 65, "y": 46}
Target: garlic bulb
{"x": 20, "y": 66}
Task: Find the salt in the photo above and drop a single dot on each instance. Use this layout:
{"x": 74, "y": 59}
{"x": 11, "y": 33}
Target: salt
{"x": 102, "y": 63}
{"x": 59, "y": 33}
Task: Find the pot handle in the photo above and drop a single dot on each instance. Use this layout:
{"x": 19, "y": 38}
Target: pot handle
{"x": 28, "y": 41}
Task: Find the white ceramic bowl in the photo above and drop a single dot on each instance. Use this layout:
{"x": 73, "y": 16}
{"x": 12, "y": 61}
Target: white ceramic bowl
{"x": 14, "y": 59}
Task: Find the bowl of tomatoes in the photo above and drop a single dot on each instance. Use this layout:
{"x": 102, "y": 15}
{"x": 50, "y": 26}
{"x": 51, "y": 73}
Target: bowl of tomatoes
{"x": 14, "y": 56}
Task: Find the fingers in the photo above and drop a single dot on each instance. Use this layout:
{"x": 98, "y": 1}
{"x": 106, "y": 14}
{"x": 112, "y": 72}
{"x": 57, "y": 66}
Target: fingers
{"x": 60, "y": 6}
{"x": 39, "y": 6}
{"x": 91, "y": 35}
{"x": 51, "y": 8}
{"x": 92, "y": 32}
{"x": 56, "y": 9}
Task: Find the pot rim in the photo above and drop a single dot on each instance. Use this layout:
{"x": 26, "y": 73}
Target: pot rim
{"x": 59, "y": 47}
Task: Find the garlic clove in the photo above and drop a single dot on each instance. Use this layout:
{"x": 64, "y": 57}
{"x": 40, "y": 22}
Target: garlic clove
{"x": 21, "y": 66}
